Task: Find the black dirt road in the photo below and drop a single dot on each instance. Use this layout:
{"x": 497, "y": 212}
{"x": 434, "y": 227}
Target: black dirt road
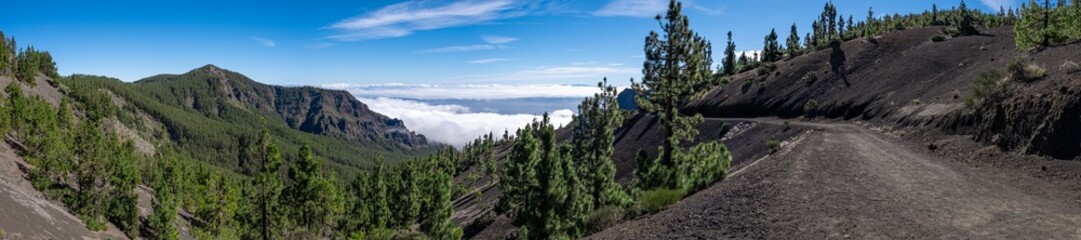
{"x": 846, "y": 181}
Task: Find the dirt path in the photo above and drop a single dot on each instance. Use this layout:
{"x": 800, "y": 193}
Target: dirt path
{"x": 845, "y": 181}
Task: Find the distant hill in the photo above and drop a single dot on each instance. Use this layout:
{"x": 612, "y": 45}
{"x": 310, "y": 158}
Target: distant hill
{"x": 212, "y": 90}
{"x": 626, "y": 99}
{"x": 215, "y": 114}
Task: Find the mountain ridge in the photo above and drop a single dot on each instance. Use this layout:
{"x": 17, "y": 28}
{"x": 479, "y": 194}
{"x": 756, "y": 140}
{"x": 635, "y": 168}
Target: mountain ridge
{"x": 309, "y": 109}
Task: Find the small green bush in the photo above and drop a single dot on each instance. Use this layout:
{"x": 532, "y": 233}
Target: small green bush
{"x": 604, "y": 217}
{"x": 657, "y": 199}
{"x": 1024, "y": 71}
{"x": 94, "y": 224}
{"x": 810, "y": 106}
{"x": 985, "y": 84}
{"x": 938, "y": 38}
{"x": 773, "y": 145}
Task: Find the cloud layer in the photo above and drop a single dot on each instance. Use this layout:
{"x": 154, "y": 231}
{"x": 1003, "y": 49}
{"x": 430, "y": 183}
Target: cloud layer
{"x": 454, "y": 124}
{"x": 474, "y": 91}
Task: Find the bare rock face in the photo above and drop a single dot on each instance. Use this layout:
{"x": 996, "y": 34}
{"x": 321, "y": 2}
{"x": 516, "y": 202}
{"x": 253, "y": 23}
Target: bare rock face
{"x": 1041, "y": 118}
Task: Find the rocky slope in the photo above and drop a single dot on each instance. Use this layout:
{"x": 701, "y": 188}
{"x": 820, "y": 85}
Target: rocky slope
{"x": 904, "y": 78}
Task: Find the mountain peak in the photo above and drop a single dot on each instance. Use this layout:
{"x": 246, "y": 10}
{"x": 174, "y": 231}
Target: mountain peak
{"x": 208, "y": 67}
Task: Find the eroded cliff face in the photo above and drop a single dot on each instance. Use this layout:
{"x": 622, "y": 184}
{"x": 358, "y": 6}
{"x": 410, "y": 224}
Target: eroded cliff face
{"x": 1041, "y": 117}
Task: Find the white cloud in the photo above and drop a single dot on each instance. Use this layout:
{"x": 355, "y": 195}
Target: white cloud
{"x": 463, "y": 48}
{"x": 497, "y": 39}
{"x": 996, "y": 4}
{"x": 454, "y": 124}
{"x": 494, "y": 42}
{"x": 402, "y": 19}
{"x": 263, "y": 41}
{"x": 632, "y": 8}
{"x": 716, "y": 11}
{"x": 475, "y": 91}
{"x": 556, "y": 73}
{"x": 750, "y": 53}
{"x": 488, "y": 60}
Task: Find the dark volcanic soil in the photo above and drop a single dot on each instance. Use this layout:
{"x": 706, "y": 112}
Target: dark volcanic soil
{"x": 845, "y": 181}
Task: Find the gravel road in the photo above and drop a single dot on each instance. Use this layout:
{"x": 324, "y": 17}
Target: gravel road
{"x": 846, "y": 181}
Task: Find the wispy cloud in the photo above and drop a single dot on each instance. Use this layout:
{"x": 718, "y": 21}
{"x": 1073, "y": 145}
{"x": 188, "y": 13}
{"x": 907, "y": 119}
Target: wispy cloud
{"x": 405, "y": 18}
{"x": 650, "y": 8}
{"x": 455, "y": 124}
{"x": 497, "y": 39}
{"x": 492, "y": 43}
{"x": 463, "y": 48}
{"x": 632, "y": 8}
{"x": 488, "y": 60}
{"x": 466, "y": 91}
{"x": 554, "y": 73}
{"x": 996, "y": 4}
{"x": 263, "y": 41}
{"x": 715, "y": 11}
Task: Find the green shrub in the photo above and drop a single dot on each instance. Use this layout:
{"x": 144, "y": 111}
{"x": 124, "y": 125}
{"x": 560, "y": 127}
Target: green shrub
{"x": 938, "y": 38}
{"x": 985, "y": 84}
{"x": 1024, "y": 71}
{"x": 773, "y": 145}
{"x": 604, "y": 217}
{"x": 93, "y": 223}
{"x": 657, "y": 199}
{"x": 810, "y": 106}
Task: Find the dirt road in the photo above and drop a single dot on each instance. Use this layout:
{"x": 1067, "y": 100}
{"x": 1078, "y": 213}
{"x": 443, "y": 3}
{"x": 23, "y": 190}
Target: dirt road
{"x": 845, "y": 181}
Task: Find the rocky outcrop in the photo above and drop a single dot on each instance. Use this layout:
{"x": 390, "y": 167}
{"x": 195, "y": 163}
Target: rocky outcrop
{"x": 1039, "y": 117}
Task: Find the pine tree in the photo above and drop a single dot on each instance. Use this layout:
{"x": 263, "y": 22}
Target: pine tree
{"x": 270, "y": 214}
{"x": 771, "y": 52}
{"x": 123, "y": 178}
{"x": 593, "y": 139}
{"x": 934, "y": 14}
{"x": 438, "y": 225}
{"x": 312, "y": 195}
{"x": 359, "y": 214}
{"x": 793, "y": 44}
{"x": 966, "y": 25}
{"x": 379, "y": 192}
{"x": 163, "y": 220}
{"x": 729, "y": 56}
{"x": 674, "y": 69}
{"x": 870, "y": 30}
{"x": 841, "y": 28}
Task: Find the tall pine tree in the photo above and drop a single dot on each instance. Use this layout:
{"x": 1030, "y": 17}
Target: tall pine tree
{"x": 675, "y": 66}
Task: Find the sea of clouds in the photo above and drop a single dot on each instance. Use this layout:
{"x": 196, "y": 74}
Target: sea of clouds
{"x": 428, "y": 109}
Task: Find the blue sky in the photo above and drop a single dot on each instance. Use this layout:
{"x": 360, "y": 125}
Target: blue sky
{"x": 365, "y": 42}
{"x": 451, "y": 70}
